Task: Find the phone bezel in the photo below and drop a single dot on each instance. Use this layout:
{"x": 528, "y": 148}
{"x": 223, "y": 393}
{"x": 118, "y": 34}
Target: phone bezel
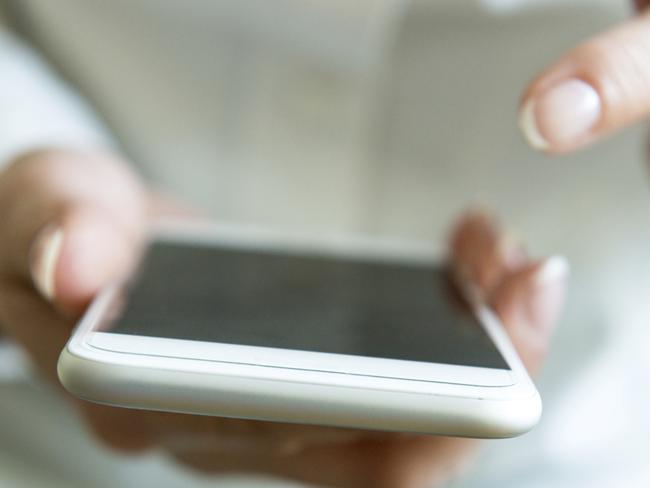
{"x": 302, "y": 366}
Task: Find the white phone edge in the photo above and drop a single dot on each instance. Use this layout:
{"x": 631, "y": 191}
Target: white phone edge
{"x": 179, "y": 385}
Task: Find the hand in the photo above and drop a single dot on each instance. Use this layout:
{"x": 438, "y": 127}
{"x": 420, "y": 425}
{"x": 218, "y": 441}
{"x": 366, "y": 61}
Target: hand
{"x": 593, "y": 90}
{"x": 72, "y": 221}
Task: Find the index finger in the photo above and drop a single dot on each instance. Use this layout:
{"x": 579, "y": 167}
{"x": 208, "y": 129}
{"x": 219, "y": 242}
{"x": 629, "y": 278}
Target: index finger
{"x": 593, "y": 90}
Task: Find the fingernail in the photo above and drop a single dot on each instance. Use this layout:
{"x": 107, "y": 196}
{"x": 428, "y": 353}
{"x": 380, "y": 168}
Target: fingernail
{"x": 562, "y": 115}
{"x": 554, "y": 269}
{"x": 44, "y": 257}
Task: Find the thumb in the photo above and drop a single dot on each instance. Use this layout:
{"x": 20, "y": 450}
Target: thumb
{"x": 595, "y": 89}
{"x": 73, "y": 221}
{"x": 78, "y": 253}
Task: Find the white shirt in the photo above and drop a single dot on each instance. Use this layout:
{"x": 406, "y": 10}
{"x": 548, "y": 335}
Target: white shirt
{"x": 376, "y": 117}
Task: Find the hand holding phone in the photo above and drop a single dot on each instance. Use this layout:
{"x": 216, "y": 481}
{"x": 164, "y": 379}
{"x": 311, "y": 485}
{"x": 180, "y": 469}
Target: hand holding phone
{"x": 525, "y": 303}
{"x": 253, "y": 325}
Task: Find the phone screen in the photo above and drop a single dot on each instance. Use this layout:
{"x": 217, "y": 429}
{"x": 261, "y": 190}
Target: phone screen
{"x": 304, "y": 302}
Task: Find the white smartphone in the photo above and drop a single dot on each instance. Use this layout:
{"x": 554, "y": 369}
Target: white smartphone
{"x": 346, "y": 333}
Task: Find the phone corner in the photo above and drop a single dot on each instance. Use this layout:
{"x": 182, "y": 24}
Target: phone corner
{"x": 78, "y": 374}
{"x": 523, "y": 415}
{"x": 67, "y": 369}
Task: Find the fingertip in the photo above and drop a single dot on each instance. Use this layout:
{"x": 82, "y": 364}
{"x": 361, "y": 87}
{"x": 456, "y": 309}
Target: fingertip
{"x": 592, "y": 91}
{"x": 94, "y": 252}
{"x": 560, "y": 117}
{"x": 475, "y": 220}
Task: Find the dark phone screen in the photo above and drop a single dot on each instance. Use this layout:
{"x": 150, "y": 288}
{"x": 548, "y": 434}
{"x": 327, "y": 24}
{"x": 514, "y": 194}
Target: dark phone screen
{"x": 304, "y": 302}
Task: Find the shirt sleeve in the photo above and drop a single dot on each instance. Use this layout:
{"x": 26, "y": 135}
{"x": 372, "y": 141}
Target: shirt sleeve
{"x": 37, "y": 108}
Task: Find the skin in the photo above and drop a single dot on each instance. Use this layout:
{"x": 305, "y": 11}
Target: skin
{"x": 103, "y": 210}
{"x": 616, "y": 64}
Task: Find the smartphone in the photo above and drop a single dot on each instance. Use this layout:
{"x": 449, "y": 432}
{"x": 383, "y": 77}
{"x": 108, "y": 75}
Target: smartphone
{"x": 345, "y": 332}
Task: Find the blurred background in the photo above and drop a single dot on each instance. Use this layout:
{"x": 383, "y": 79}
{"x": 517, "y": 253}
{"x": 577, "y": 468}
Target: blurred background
{"x": 378, "y": 117}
